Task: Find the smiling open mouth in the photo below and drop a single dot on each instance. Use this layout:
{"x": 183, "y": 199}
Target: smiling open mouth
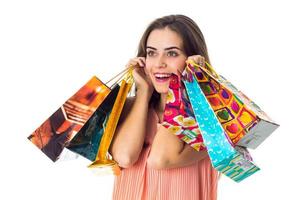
{"x": 162, "y": 77}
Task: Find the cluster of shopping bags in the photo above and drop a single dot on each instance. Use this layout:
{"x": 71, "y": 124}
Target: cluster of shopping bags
{"x": 86, "y": 122}
{"x": 203, "y": 109}
{"x": 209, "y": 113}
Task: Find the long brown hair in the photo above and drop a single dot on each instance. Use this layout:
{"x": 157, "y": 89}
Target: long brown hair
{"x": 188, "y": 30}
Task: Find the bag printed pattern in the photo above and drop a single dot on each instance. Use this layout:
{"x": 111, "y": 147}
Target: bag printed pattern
{"x": 179, "y": 118}
{"x": 86, "y": 142}
{"x": 55, "y": 133}
{"x": 223, "y": 155}
{"x": 236, "y": 112}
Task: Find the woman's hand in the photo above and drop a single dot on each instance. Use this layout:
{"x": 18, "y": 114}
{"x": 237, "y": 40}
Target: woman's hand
{"x": 198, "y": 59}
{"x": 141, "y": 78}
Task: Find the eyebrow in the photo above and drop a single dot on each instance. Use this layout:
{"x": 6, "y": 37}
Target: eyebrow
{"x": 173, "y": 47}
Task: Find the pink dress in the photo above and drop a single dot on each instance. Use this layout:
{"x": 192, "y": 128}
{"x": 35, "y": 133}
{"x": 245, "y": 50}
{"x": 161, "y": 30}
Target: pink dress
{"x": 140, "y": 182}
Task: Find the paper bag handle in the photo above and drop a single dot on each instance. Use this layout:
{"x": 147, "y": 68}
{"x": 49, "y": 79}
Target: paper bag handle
{"x": 208, "y": 68}
{"x": 124, "y": 74}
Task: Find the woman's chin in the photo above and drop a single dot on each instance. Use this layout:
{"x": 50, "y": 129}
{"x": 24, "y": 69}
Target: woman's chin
{"x": 161, "y": 90}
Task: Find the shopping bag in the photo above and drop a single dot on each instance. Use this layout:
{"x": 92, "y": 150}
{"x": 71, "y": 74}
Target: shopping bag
{"x": 94, "y": 140}
{"x": 54, "y": 134}
{"x": 103, "y": 159}
{"x": 178, "y": 116}
{"x": 234, "y": 162}
{"x": 244, "y": 121}
{"x": 79, "y": 123}
{"x": 86, "y": 141}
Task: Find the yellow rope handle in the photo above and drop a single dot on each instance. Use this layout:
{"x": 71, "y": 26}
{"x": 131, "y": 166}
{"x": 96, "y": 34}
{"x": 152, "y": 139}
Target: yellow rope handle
{"x": 125, "y": 72}
{"x": 210, "y": 70}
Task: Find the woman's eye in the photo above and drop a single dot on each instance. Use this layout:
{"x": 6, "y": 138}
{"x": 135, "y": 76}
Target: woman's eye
{"x": 172, "y": 53}
{"x": 150, "y": 53}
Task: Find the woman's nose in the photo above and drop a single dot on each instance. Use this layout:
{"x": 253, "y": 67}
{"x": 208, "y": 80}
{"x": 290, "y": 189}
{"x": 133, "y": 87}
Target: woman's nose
{"x": 160, "y": 63}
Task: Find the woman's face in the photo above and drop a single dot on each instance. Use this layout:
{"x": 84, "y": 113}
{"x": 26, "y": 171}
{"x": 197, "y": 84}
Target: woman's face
{"x": 165, "y": 56}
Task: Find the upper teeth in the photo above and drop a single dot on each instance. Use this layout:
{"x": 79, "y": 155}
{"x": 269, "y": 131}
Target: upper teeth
{"x": 162, "y": 75}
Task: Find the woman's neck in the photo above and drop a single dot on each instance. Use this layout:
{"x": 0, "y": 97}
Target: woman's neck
{"x": 161, "y": 106}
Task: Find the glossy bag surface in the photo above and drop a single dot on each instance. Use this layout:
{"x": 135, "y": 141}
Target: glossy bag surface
{"x": 53, "y": 135}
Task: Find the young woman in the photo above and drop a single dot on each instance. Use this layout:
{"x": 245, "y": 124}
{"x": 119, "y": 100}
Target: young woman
{"x": 155, "y": 163}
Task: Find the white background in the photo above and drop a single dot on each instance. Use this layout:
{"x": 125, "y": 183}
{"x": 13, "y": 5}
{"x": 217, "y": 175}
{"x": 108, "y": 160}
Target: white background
{"x": 48, "y": 49}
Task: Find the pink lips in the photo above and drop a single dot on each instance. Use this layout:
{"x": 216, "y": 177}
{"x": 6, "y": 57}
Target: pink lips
{"x": 162, "y": 77}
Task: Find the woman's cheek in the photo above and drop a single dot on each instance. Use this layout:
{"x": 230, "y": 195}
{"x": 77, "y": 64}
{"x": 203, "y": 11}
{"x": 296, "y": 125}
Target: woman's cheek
{"x": 178, "y": 65}
{"x": 177, "y": 68}
{"x": 148, "y": 71}
{"x": 146, "y": 68}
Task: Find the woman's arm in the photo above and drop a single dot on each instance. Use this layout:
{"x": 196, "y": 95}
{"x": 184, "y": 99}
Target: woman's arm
{"x": 129, "y": 136}
{"x": 168, "y": 151}
{"x": 130, "y": 133}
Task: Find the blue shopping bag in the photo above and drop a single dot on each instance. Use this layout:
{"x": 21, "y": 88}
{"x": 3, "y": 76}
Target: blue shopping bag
{"x": 233, "y": 161}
